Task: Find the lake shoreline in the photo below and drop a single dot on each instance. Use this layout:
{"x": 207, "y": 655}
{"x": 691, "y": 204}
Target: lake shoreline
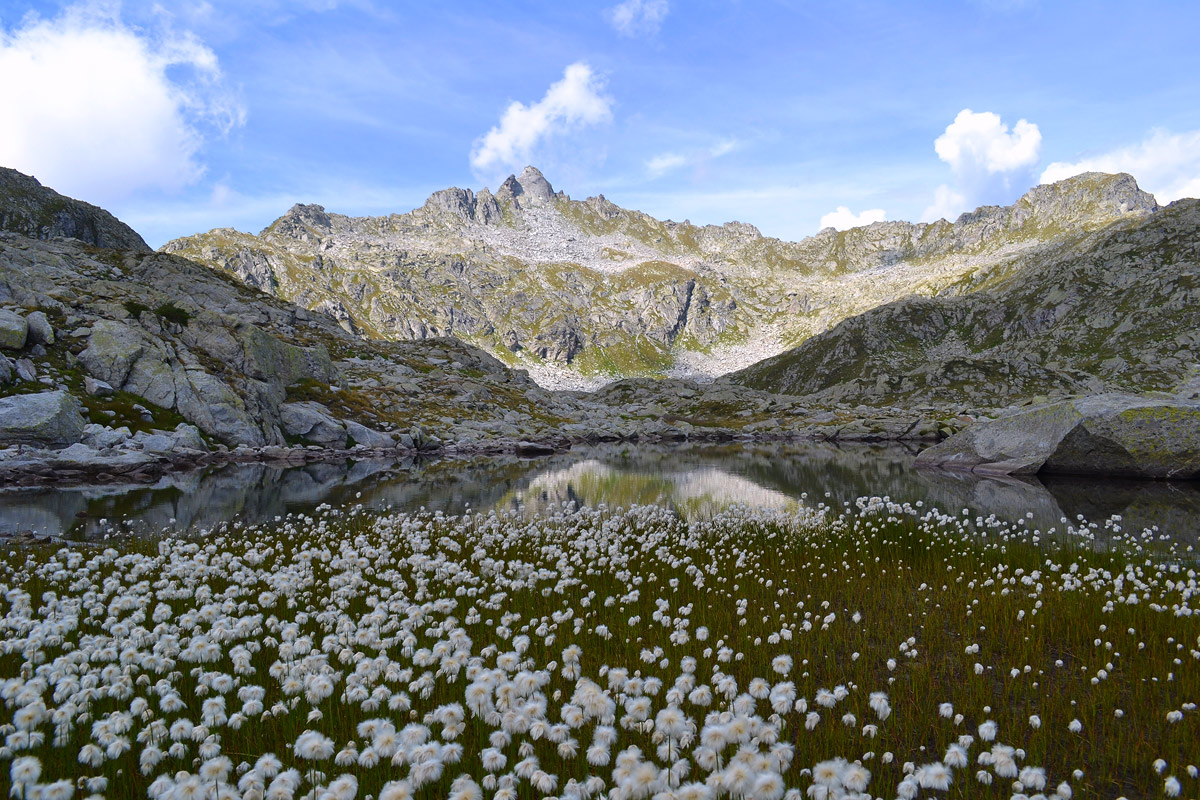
{"x": 36, "y": 467}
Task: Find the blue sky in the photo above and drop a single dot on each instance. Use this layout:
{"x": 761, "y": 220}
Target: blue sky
{"x": 180, "y": 117}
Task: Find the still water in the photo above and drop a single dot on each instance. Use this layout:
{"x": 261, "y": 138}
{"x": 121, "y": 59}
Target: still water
{"x": 696, "y": 480}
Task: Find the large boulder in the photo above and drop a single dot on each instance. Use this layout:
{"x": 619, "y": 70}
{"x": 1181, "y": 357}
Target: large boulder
{"x": 14, "y": 330}
{"x": 369, "y": 437}
{"x": 1106, "y": 434}
{"x": 46, "y": 418}
{"x": 40, "y": 329}
{"x": 313, "y": 423}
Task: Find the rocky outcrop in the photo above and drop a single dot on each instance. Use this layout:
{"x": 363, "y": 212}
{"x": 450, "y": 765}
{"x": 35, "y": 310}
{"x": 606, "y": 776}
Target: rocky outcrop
{"x": 30, "y": 209}
{"x": 147, "y": 342}
{"x": 166, "y": 370}
{"x": 1107, "y": 434}
{"x": 47, "y": 418}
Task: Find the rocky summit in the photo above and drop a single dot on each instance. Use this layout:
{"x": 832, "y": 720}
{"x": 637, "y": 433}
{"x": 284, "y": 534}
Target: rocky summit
{"x": 582, "y": 292}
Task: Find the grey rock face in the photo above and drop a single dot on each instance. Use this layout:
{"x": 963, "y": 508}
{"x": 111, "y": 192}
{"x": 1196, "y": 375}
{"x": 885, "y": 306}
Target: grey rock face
{"x": 313, "y": 422}
{"x": 113, "y": 348}
{"x": 158, "y": 443}
{"x": 49, "y": 418}
{"x": 99, "y": 437}
{"x": 216, "y": 409}
{"x": 14, "y": 330}
{"x": 128, "y": 357}
{"x": 530, "y": 190}
{"x": 1108, "y": 434}
{"x": 30, "y": 209}
{"x": 535, "y": 189}
{"x": 370, "y": 437}
{"x": 187, "y": 437}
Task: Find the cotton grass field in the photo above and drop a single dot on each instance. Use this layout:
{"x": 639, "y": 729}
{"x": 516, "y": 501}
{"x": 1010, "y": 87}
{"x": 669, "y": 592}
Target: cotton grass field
{"x": 875, "y": 650}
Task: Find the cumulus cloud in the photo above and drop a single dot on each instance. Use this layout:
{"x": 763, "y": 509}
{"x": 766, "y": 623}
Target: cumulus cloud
{"x": 102, "y": 110}
{"x": 666, "y": 162}
{"x": 1164, "y": 163}
{"x": 844, "y": 219}
{"x": 988, "y": 160}
{"x": 574, "y": 101}
{"x": 637, "y": 17}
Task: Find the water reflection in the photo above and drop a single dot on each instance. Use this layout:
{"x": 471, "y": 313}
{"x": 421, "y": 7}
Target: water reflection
{"x": 695, "y": 480}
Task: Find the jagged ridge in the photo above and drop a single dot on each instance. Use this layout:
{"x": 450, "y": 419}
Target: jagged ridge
{"x": 541, "y": 280}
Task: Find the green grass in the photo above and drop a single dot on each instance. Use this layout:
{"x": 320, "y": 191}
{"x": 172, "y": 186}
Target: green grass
{"x": 121, "y": 409}
{"x": 173, "y": 313}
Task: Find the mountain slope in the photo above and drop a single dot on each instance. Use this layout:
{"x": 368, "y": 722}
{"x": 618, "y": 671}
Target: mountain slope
{"x": 30, "y": 209}
{"x": 572, "y": 288}
{"x": 1118, "y": 309}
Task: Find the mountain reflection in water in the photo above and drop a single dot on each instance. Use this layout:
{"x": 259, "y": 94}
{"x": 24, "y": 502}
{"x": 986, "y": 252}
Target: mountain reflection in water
{"x": 696, "y": 480}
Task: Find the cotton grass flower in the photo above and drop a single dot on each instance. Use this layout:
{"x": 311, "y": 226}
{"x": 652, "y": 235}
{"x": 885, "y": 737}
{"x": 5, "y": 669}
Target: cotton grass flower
{"x": 475, "y": 635}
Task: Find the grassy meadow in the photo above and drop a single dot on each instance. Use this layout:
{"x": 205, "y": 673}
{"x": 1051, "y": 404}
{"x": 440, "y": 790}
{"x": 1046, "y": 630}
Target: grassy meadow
{"x": 875, "y": 650}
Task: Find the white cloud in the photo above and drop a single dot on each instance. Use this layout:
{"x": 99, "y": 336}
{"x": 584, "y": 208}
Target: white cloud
{"x": 574, "y": 101}
{"x": 665, "y": 162}
{"x": 637, "y": 17}
{"x": 1164, "y": 163}
{"x": 102, "y": 110}
{"x": 987, "y": 159}
{"x": 722, "y": 147}
{"x": 844, "y": 219}
{"x": 975, "y": 142}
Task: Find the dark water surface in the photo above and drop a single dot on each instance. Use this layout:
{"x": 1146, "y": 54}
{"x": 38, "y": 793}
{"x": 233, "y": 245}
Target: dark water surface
{"x": 696, "y": 480}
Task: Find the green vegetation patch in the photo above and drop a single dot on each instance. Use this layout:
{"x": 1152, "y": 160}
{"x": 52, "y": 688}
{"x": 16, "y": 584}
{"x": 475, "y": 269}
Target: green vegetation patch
{"x": 121, "y": 409}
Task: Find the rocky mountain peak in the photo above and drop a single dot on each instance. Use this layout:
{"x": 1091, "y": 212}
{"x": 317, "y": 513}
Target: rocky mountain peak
{"x": 742, "y": 230}
{"x": 1091, "y": 199}
{"x": 536, "y": 187}
{"x": 529, "y": 189}
{"x": 454, "y": 201}
{"x": 30, "y": 209}
{"x": 301, "y": 221}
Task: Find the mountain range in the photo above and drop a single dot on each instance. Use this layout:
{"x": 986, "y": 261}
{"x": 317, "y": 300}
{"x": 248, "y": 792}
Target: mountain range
{"x": 416, "y": 328}
{"x": 584, "y": 292}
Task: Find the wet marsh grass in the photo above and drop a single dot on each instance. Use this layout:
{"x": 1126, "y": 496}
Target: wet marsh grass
{"x": 407, "y": 615}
